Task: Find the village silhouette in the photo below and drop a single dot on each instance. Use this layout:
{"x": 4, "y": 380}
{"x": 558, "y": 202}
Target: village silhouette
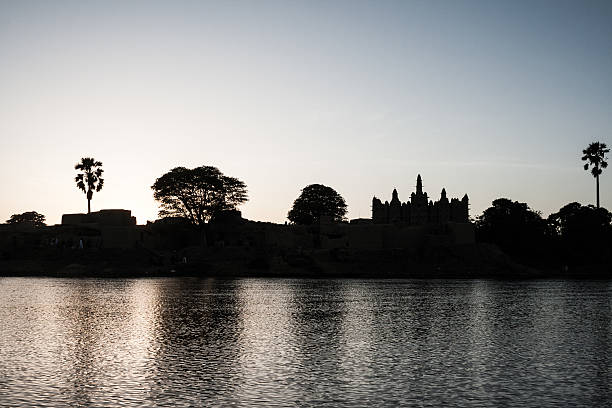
{"x": 201, "y": 232}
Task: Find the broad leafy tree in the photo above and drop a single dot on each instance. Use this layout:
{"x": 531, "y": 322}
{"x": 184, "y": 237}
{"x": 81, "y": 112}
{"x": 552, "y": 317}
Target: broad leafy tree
{"x": 317, "y": 200}
{"x": 595, "y": 157}
{"x": 513, "y": 226}
{"x": 27, "y": 218}
{"x": 90, "y": 179}
{"x": 583, "y": 233}
{"x": 197, "y": 194}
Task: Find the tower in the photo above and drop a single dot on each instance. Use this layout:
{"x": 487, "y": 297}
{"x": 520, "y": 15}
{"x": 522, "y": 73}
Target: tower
{"x": 419, "y": 209}
{"x": 379, "y": 211}
{"x": 465, "y": 209}
{"x": 395, "y": 208}
{"x": 443, "y": 208}
{"x": 419, "y": 205}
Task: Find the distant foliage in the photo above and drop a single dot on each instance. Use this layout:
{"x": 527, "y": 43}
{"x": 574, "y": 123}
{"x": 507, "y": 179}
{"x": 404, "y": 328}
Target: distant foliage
{"x": 578, "y": 221}
{"x": 583, "y": 234}
{"x": 90, "y": 179}
{"x": 197, "y": 194}
{"x": 576, "y": 235}
{"x": 317, "y": 200}
{"x": 513, "y": 226}
{"x": 27, "y": 218}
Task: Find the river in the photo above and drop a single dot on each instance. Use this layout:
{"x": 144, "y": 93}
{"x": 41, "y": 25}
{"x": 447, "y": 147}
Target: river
{"x": 295, "y": 342}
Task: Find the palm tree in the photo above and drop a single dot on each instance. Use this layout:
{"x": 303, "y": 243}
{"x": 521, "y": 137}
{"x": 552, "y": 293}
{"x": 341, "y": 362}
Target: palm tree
{"x": 90, "y": 179}
{"x": 595, "y": 156}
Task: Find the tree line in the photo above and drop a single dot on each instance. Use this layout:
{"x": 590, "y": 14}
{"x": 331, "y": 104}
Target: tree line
{"x": 199, "y": 194}
{"x": 575, "y": 235}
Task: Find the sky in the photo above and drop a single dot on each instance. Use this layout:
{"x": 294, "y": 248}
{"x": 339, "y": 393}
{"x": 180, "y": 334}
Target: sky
{"x": 489, "y": 98}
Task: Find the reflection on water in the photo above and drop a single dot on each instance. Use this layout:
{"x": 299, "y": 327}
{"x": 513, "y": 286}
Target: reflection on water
{"x": 169, "y": 342}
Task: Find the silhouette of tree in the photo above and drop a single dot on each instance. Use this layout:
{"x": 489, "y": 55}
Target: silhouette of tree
{"x": 513, "y": 226}
{"x": 197, "y": 194}
{"x": 595, "y": 156}
{"x": 317, "y": 200}
{"x": 30, "y": 217}
{"x": 583, "y": 233}
{"x": 90, "y": 179}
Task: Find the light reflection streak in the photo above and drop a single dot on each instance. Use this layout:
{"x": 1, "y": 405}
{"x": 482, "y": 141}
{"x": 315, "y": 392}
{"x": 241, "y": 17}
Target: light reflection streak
{"x": 267, "y": 343}
{"x": 191, "y": 342}
{"x": 356, "y": 332}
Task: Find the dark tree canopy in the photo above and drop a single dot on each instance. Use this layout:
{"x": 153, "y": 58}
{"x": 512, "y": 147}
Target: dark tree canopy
{"x": 90, "y": 179}
{"x": 512, "y": 225}
{"x": 30, "y": 217}
{"x": 576, "y": 235}
{"x": 317, "y": 200}
{"x": 580, "y": 221}
{"x": 584, "y": 233}
{"x": 197, "y": 194}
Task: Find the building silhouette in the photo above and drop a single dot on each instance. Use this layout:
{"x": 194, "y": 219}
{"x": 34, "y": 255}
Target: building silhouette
{"x": 420, "y": 210}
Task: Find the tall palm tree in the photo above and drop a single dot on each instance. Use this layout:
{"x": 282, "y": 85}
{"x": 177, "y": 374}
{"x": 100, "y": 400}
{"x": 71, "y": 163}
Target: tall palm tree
{"x": 595, "y": 156}
{"x": 90, "y": 179}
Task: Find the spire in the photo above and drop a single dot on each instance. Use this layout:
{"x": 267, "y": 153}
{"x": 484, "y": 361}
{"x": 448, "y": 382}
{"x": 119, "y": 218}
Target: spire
{"x": 419, "y": 185}
{"x": 465, "y": 198}
{"x": 394, "y": 197}
{"x": 443, "y": 193}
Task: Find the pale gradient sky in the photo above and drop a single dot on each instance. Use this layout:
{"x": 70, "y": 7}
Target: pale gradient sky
{"x": 490, "y": 98}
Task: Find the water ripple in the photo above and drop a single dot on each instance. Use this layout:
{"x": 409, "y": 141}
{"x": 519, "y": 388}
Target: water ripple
{"x": 281, "y": 342}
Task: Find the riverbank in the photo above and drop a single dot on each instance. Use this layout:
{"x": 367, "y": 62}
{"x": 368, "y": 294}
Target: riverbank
{"x": 455, "y": 262}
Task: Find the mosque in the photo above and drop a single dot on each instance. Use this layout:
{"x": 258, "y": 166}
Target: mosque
{"x": 420, "y": 210}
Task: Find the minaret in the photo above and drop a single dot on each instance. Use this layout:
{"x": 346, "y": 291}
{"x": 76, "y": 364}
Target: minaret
{"x": 394, "y": 196}
{"x": 395, "y": 208}
{"x": 443, "y": 208}
{"x": 419, "y": 205}
{"x": 466, "y": 208}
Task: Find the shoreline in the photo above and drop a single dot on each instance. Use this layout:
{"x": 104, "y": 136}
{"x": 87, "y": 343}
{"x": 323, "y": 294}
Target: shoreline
{"x": 475, "y": 261}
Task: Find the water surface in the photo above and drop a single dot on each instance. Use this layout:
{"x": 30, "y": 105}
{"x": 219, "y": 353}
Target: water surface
{"x": 282, "y": 342}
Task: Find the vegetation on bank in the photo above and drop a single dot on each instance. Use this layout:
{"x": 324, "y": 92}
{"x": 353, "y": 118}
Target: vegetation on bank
{"x": 316, "y": 201}
{"x": 575, "y": 237}
{"x": 27, "y": 218}
{"x": 198, "y": 194}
